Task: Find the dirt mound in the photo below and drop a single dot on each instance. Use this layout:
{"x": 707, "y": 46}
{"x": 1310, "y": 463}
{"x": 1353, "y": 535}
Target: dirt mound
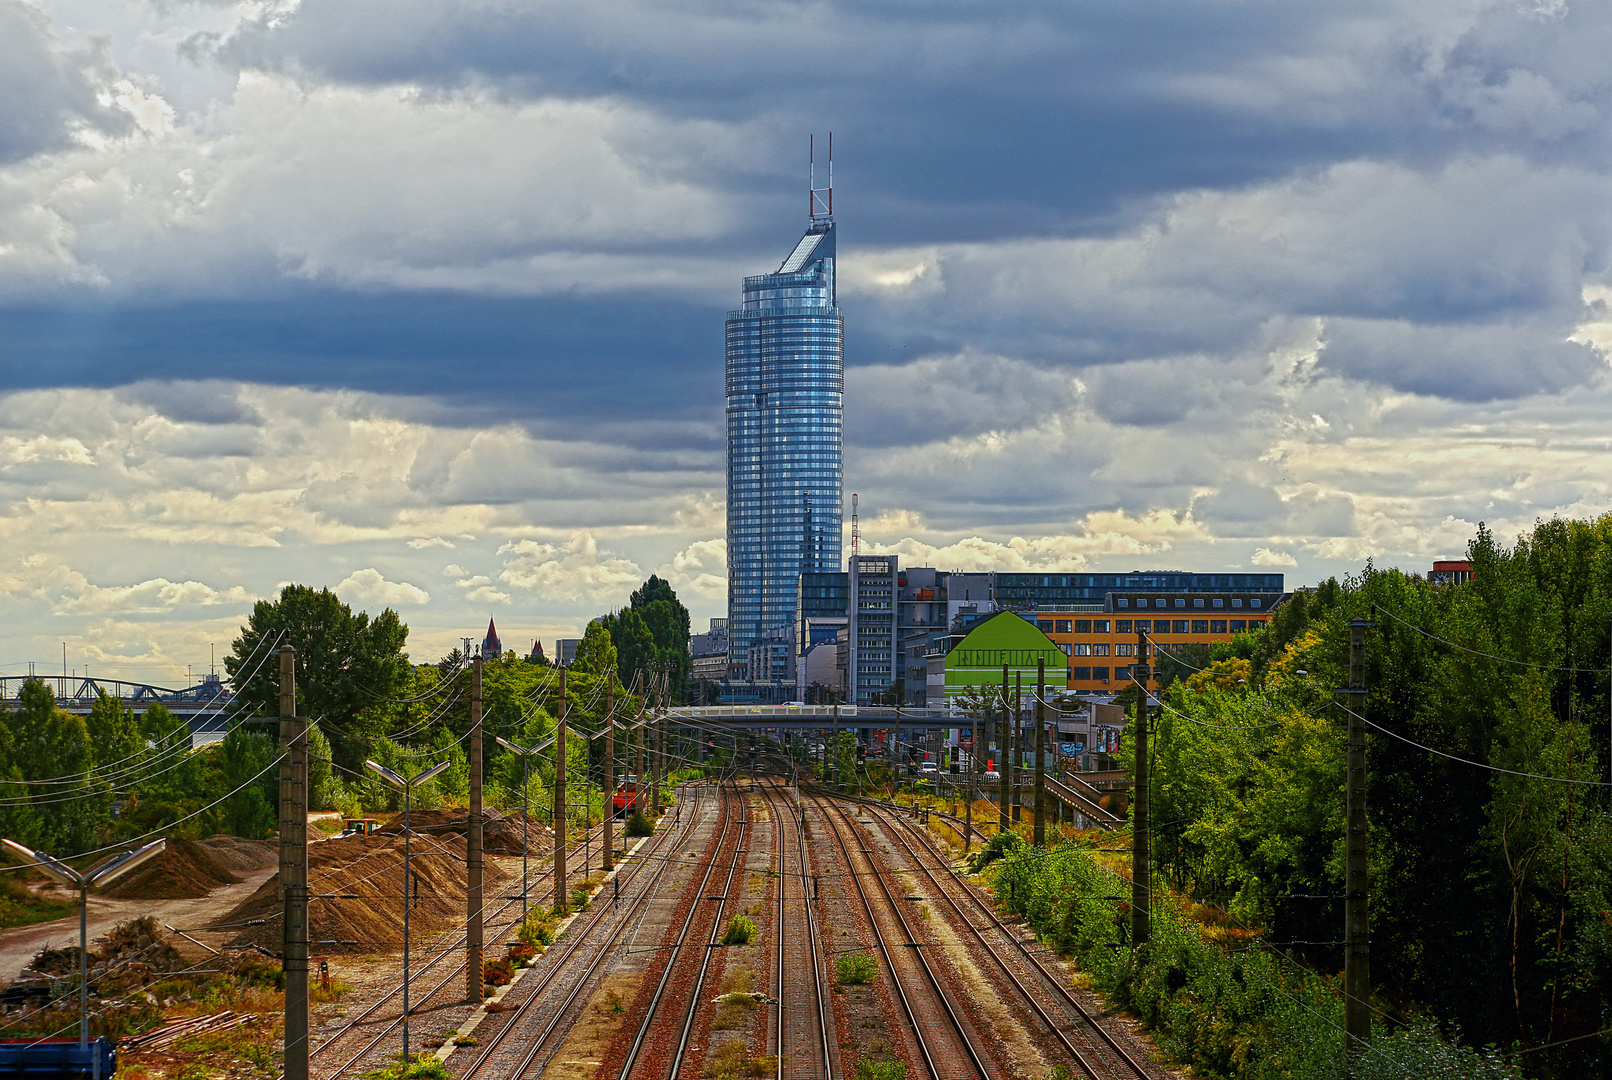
{"x": 184, "y": 870}
{"x": 127, "y": 957}
{"x": 239, "y": 854}
{"x": 501, "y": 834}
{"x": 371, "y": 867}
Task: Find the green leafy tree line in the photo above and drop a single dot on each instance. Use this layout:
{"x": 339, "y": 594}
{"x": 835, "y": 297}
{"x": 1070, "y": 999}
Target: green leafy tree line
{"x": 1489, "y": 889}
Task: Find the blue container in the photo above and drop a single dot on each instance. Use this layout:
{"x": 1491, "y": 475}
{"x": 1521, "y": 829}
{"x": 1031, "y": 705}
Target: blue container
{"x": 57, "y": 1059}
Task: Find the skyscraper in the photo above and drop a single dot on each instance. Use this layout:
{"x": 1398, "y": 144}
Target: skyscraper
{"x": 785, "y": 385}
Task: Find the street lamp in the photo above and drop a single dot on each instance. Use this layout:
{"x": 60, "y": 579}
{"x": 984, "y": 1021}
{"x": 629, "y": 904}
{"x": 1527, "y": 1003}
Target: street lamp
{"x": 406, "y": 784}
{"x": 525, "y": 753}
{"x": 100, "y": 874}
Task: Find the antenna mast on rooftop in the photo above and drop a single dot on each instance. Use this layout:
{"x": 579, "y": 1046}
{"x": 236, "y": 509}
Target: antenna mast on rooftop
{"x": 821, "y": 198}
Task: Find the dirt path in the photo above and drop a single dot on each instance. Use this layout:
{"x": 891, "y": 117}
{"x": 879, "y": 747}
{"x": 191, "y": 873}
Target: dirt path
{"x": 22, "y": 944}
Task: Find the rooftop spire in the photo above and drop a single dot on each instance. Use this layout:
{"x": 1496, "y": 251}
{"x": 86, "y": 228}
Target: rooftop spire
{"x": 821, "y": 198}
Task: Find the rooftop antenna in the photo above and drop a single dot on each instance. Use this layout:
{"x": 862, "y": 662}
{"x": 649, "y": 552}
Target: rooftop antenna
{"x": 821, "y": 200}
{"x": 856, "y": 532}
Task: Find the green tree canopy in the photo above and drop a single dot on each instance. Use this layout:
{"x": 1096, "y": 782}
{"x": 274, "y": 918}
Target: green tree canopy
{"x": 347, "y": 667}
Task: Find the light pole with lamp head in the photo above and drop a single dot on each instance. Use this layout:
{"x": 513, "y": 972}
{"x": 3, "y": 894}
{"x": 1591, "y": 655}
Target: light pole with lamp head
{"x": 525, "y": 753}
{"x": 406, "y": 784}
{"x": 102, "y": 873}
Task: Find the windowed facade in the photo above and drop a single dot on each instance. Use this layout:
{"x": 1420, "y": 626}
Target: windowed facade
{"x": 785, "y": 386}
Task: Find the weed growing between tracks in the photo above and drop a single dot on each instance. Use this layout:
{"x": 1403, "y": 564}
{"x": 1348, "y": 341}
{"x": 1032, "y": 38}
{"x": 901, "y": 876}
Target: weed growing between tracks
{"x": 868, "y": 1069}
{"x": 855, "y": 969}
{"x": 423, "y": 1067}
{"x": 732, "y": 1061}
{"x": 741, "y": 931}
{"x": 1227, "y": 1012}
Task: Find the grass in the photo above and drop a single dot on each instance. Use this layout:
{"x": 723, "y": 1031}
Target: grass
{"x": 741, "y": 931}
{"x": 868, "y": 1069}
{"x": 732, "y": 1061}
{"x": 21, "y": 906}
{"x": 854, "y": 969}
{"x": 423, "y": 1067}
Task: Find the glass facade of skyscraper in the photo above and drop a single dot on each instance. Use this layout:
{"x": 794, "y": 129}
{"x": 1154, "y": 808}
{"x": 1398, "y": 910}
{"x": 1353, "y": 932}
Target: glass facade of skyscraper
{"x": 785, "y": 388}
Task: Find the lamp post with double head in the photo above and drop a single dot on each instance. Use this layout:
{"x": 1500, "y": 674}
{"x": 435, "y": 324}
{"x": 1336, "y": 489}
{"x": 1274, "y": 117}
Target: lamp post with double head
{"x": 406, "y": 784}
{"x": 100, "y": 874}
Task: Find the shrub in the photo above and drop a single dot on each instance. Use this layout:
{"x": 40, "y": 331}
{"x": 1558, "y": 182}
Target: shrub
{"x": 741, "y": 931}
{"x": 995, "y": 848}
{"x": 868, "y": 1069}
{"x": 538, "y": 929}
{"x": 854, "y": 969}
{"x": 638, "y": 825}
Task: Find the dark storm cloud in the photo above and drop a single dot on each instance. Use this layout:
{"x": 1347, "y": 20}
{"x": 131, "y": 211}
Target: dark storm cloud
{"x": 48, "y": 92}
{"x": 578, "y": 368}
{"x": 1010, "y": 118}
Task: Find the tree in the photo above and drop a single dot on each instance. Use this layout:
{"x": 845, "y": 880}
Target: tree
{"x": 668, "y": 623}
{"x": 596, "y": 654}
{"x": 348, "y": 666}
{"x": 635, "y": 645}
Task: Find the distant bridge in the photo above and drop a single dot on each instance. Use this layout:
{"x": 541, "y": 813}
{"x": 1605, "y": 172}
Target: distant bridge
{"x": 813, "y": 717}
{"x": 205, "y": 706}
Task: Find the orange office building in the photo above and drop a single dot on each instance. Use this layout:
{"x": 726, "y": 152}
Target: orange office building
{"x": 1100, "y": 639}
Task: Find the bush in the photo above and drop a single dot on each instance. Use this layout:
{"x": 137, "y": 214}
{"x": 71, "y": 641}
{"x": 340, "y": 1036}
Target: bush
{"x": 1227, "y": 1013}
{"x": 997, "y": 846}
{"x": 537, "y": 930}
{"x": 638, "y": 825}
{"x": 855, "y": 969}
{"x": 741, "y": 931}
{"x": 868, "y": 1069}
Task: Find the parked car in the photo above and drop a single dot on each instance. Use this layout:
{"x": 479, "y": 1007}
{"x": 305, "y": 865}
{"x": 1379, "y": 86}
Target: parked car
{"x": 993, "y": 775}
{"x": 928, "y": 768}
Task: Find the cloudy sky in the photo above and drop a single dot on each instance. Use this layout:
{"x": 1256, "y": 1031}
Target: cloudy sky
{"x": 422, "y": 299}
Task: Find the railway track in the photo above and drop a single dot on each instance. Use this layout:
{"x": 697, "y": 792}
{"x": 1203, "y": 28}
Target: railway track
{"x": 355, "y": 1031}
{"x": 670, "y": 1011}
{"x": 519, "y": 1046}
{"x": 947, "y": 1045}
{"x": 801, "y": 1036}
{"x": 1102, "y": 1057}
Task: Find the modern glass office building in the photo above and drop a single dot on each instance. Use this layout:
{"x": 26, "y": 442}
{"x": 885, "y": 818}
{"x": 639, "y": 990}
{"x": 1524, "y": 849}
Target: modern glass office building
{"x": 785, "y": 387}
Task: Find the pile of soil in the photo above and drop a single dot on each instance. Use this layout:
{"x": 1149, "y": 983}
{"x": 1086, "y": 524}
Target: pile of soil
{"x": 241, "y": 855}
{"x": 184, "y": 870}
{"x": 500, "y": 833}
{"x": 371, "y": 867}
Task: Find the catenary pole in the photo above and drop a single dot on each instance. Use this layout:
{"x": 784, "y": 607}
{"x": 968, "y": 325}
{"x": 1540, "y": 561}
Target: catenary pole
{"x": 1016, "y": 743}
{"x": 610, "y": 770}
{"x": 1040, "y": 749}
{"x": 1356, "y": 922}
{"x": 1141, "y": 890}
{"x": 294, "y": 868}
{"x": 1004, "y": 770}
{"x": 973, "y": 779}
{"x": 561, "y": 897}
{"x": 474, "y": 960}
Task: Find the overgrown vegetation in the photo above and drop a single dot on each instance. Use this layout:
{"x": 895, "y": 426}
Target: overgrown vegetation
{"x": 854, "y": 969}
{"x": 741, "y": 931}
{"x": 1230, "y": 1012}
{"x": 638, "y": 825}
{"x": 1491, "y": 852}
{"x": 732, "y": 1061}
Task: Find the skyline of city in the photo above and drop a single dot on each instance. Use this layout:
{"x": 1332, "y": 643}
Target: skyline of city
{"x": 433, "y": 318}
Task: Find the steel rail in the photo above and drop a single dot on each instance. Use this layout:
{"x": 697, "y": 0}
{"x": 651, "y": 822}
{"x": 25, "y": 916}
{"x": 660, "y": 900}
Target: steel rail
{"x": 397, "y": 1021}
{"x": 996, "y": 923}
{"x": 677, "y": 947}
{"x": 779, "y": 796}
{"x": 884, "y": 947}
{"x": 577, "y": 941}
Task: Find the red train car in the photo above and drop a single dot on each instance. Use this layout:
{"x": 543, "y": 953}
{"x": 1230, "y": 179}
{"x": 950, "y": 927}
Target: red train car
{"x": 629, "y": 796}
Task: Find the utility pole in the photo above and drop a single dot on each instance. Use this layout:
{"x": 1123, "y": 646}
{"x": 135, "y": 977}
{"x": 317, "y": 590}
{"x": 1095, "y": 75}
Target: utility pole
{"x": 1040, "y": 749}
{"x": 294, "y": 868}
{"x": 640, "y": 734}
{"x": 561, "y": 897}
{"x": 1016, "y": 744}
{"x": 973, "y": 779}
{"x": 651, "y": 730}
{"x": 657, "y": 751}
{"x": 1004, "y": 770}
{"x": 474, "y": 961}
{"x": 610, "y": 771}
{"x": 1356, "y": 921}
{"x": 1141, "y": 892}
